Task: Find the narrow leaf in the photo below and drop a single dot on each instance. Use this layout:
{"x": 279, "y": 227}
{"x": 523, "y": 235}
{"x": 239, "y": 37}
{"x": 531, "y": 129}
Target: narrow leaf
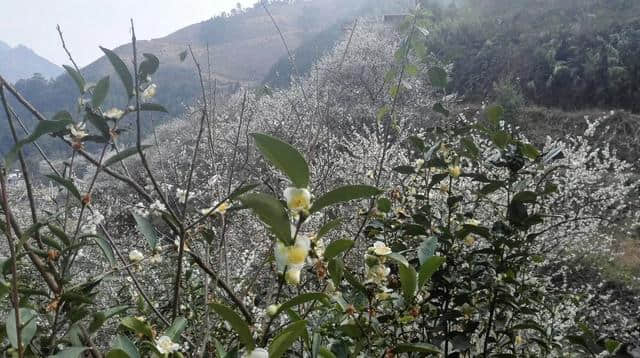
{"x": 286, "y": 338}
{"x": 237, "y": 323}
{"x": 428, "y": 268}
{"x": 344, "y": 194}
{"x": 68, "y": 184}
{"x": 121, "y": 70}
{"x": 77, "y": 78}
{"x": 284, "y": 157}
{"x": 100, "y": 92}
{"x": 123, "y": 155}
{"x": 146, "y": 228}
{"x": 271, "y": 212}
{"x": 336, "y": 247}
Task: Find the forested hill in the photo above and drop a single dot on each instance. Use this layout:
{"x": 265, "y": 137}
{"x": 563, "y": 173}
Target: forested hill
{"x": 21, "y": 62}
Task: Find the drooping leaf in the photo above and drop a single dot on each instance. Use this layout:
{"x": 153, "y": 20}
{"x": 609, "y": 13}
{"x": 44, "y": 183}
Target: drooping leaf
{"x": 300, "y": 299}
{"x": 121, "y": 70}
{"x": 77, "y": 78}
{"x": 146, "y": 228}
{"x": 284, "y": 157}
{"x": 67, "y": 184}
{"x": 106, "y": 249}
{"x": 336, "y": 247}
{"x": 285, "y": 339}
{"x": 428, "y": 268}
{"x": 123, "y": 155}
{"x": 336, "y": 271}
{"x": 344, "y": 194}
{"x": 100, "y": 92}
{"x": 101, "y": 317}
{"x": 271, "y": 212}
{"x": 28, "y": 322}
{"x": 237, "y": 323}
{"x": 100, "y": 123}
{"x": 438, "y": 77}
{"x": 242, "y": 190}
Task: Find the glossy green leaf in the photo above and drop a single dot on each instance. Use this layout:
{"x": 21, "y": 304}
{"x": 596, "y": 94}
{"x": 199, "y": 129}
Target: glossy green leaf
{"x": 117, "y": 353}
{"x": 383, "y": 205}
{"x": 123, "y": 155}
{"x": 59, "y": 123}
{"x": 77, "y": 78}
{"x": 28, "y": 321}
{"x": 344, "y": 194}
{"x": 325, "y": 353}
{"x": 398, "y": 259}
{"x": 428, "y": 268}
{"x": 336, "y": 247}
{"x": 146, "y": 228}
{"x": 100, "y": 318}
{"x": 284, "y": 157}
{"x": 121, "y": 70}
{"x": 271, "y": 212}
{"x": 237, "y": 323}
{"x": 336, "y": 271}
{"x": 409, "y": 281}
{"x": 285, "y": 339}
{"x": 100, "y": 92}
{"x": 242, "y": 190}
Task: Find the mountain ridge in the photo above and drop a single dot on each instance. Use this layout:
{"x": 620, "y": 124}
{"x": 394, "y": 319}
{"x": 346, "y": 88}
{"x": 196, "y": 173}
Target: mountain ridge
{"x": 21, "y": 62}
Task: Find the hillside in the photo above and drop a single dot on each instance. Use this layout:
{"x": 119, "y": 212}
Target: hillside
{"x": 21, "y": 62}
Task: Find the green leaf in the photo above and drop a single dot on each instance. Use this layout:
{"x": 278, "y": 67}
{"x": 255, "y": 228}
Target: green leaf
{"x": 67, "y": 183}
{"x": 242, "y": 190}
{"x": 237, "y": 323}
{"x": 525, "y": 197}
{"x": 470, "y": 147}
{"x": 530, "y": 151}
{"x": 137, "y": 326}
{"x": 100, "y": 92}
{"x": 427, "y": 249}
{"x": 77, "y": 78}
{"x": 28, "y": 321}
{"x": 59, "y": 233}
{"x": 438, "y": 77}
{"x": 100, "y": 123}
{"x": 284, "y": 157}
{"x": 106, "y": 249}
{"x": 148, "y": 66}
{"x": 404, "y": 169}
{"x": 336, "y": 271}
{"x": 123, "y": 155}
{"x": 300, "y": 299}
{"x": 101, "y": 317}
{"x": 384, "y": 205}
{"x": 182, "y": 55}
{"x": 326, "y": 228}
{"x": 416, "y": 347}
{"x": 501, "y": 139}
{"x": 285, "y": 339}
{"x": 153, "y": 107}
{"x": 59, "y": 123}
{"x": 176, "y": 329}
{"x": 117, "y": 353}
{"x": 336, "y": 247}
{"x": 428, "y": 268}
{"x": 70, "y": 352}
{"x": 344, "y": 194}
{"x": 411, "y": 70}
{"x": 271, "y": 212}
{"x": 398, "y": 259}
{"x": 121, "y": 70}
{"x": 408, "y": 280}
{"x": 355, "y": 282}
{"x": 439, "y": 108}
{"x": 325, "y": 353}
{"x": 494, "y": 114}
{"x": 146, "y": 228}
{"x": 125, "y": 344}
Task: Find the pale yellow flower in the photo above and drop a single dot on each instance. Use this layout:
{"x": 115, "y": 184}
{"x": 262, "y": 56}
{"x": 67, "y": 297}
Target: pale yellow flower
{"x": 298, "y": 199}
{"x": 455, "y": 171}
{"x": 380, "y": 249}
{"x": 165, "y": 345}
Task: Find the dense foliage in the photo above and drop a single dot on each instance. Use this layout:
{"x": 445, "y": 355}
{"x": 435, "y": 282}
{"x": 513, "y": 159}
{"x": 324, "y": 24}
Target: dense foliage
{"x": 355, "y": 214}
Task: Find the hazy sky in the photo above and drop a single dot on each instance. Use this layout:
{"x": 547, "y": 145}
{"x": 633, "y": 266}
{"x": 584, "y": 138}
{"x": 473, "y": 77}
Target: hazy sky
{"x": 87, "y": 24}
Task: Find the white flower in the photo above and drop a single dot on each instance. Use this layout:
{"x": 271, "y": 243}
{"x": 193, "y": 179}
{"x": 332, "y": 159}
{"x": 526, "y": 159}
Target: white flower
{"x": 298, "y": 199}
{"x": 165, "y": 345}
{"x": 135, "y": 256}
{"x": 157, "y": 208}
{"x": 292, "y": 276}
{"x": 272, "y": 310}
{"x": 280, "y": 253}
{"x": 149, "y": 92}
{"x": 257, "y": 353}
{"x": 114, "y": 113}
{"x": 181, "y": 195}
{"x": 156, "y": 258}
{"x": 77, "y": 131}
{"x": 380, "y": 249}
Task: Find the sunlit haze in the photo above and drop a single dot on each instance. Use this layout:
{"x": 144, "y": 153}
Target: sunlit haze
{"x": 89, "y": 24}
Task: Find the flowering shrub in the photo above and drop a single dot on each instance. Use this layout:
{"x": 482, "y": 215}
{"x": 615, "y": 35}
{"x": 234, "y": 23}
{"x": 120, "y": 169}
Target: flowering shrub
{"x": 328, "y": 220}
